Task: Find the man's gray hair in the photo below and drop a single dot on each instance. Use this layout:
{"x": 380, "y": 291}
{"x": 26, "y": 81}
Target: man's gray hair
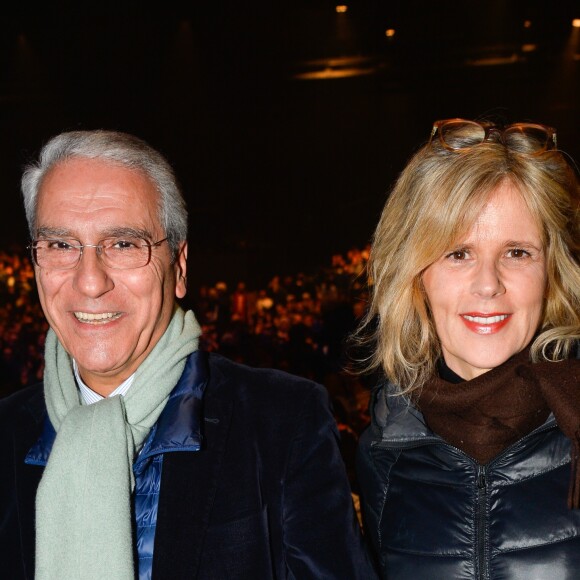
{"x": 118, "y": 148}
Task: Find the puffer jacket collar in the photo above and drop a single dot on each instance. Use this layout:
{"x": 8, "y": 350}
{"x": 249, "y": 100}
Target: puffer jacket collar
{"x": 178, "y": 427}
{"x": 396, "y": 420}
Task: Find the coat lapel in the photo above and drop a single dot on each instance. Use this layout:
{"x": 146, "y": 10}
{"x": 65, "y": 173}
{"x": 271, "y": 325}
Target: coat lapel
{"x": 188, "y": 484}
{"x": 27, "y": 480}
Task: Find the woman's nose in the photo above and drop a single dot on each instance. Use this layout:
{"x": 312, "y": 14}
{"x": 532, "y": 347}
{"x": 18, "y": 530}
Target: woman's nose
{"x": 487, "y": 280}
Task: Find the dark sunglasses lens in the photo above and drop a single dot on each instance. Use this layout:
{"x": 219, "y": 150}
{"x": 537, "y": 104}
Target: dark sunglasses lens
{"x": 461, "y": 134}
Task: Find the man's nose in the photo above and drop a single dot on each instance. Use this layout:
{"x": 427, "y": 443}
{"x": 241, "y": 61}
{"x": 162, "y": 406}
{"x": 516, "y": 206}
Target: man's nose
{"x": 91, "y": 276}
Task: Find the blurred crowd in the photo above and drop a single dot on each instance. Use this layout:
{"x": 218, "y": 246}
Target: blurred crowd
{"x": 22, "y": 324}
{"x": 296, "y": 323}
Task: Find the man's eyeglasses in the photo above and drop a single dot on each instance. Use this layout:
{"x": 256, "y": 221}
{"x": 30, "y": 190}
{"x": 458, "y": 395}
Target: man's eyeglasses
{"x": 523, "y": 138}
{"x": 119, "y": 253}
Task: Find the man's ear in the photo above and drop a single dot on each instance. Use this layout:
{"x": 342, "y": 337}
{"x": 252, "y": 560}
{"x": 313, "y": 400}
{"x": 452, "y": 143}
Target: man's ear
{"x": 180, "y": 266}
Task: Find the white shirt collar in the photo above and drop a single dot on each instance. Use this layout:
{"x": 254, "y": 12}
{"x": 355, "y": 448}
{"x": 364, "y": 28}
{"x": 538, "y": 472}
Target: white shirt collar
{"x": 89, "y": 396}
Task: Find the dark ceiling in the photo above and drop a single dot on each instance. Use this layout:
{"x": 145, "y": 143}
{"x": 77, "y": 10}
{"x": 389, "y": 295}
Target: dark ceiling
{"x": 286, "y": 121}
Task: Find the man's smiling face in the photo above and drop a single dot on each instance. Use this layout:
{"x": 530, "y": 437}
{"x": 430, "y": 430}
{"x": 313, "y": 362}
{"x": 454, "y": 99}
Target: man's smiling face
{"x": 108, "y": 320}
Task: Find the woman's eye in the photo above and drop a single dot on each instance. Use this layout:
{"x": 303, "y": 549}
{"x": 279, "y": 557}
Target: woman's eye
{"x": 457, "y": 255}
{"x": 518, "y": 253}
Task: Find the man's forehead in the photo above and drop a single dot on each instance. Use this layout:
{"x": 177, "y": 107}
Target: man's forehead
{"x": 80, "y": 173}
{"x": 105, "y": 195}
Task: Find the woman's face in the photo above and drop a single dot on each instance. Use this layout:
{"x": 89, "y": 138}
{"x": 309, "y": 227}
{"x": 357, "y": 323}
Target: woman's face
{"x": 486, "y": 293}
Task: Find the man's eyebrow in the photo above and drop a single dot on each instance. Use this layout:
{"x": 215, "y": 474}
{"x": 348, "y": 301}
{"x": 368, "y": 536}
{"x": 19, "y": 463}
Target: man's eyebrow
{"x": 48, "y": 232}
{"x": 116, "y": 232}
{"x": 126, "y": 232}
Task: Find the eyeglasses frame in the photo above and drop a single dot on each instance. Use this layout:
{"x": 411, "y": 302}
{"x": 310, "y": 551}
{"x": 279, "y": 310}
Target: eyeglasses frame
{"x": 99, "y": 251}
{"x": 490, "y": 128}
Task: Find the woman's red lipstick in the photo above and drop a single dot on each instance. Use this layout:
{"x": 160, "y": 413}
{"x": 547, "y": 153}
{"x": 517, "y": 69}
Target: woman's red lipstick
{"x": 489, "y": 323}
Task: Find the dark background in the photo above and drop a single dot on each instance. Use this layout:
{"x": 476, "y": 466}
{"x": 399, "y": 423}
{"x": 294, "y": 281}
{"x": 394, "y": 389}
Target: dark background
{"x": 286, "y": 121}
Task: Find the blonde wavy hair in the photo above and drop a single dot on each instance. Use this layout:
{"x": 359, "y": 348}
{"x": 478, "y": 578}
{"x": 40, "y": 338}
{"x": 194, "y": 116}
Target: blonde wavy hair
{"x": 434, "y": 202}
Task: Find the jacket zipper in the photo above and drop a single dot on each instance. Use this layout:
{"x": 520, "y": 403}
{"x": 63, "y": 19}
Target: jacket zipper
{"x": 482, "y": 564}
{"x": 481, "y": 523}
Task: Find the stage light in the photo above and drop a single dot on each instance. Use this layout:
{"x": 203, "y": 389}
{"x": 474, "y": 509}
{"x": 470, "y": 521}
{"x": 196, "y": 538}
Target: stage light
{"x": 529, "y": 47}
{"x": 390, "y": 32}
{"x": 576, "y": 23}
{"x": 341, "y": 8}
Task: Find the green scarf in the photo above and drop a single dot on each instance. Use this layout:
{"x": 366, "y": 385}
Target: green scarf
{"x": 84, "y": 525}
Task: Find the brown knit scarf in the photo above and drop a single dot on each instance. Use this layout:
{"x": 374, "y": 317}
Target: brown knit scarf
{"x": 485, "y": 415}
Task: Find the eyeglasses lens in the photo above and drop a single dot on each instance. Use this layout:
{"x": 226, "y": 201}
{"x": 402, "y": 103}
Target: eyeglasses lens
{"x": 56, "y": 254}
{"x": 461, "y": 134}
{"x": 528, "y": 139}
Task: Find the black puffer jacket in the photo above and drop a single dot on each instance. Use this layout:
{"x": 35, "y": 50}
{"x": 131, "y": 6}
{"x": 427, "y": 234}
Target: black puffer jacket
{"x": 433, "y": 513}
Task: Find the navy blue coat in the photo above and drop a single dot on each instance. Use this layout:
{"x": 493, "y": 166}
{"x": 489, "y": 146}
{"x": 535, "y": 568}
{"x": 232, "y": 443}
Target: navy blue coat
{"x": 433, "y": 513}
{"x": 265, "y": 498}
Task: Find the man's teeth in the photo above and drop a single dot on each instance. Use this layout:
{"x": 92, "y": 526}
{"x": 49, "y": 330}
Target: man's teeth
{"x": 486, "y": 319}
{"x": 100, "y": 317}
